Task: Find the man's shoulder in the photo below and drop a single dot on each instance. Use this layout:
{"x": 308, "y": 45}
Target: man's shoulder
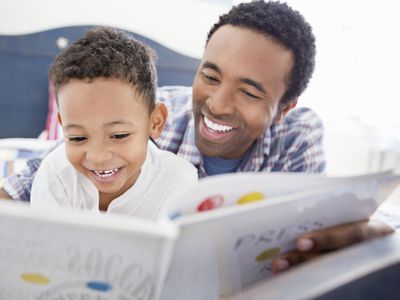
{"x": 175, "y": 97}
{"x": 299, "y": 121}
{"x": 302, "y": 115}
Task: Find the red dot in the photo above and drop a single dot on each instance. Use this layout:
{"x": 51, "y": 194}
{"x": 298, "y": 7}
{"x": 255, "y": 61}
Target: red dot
{"x": 211, "y": 202}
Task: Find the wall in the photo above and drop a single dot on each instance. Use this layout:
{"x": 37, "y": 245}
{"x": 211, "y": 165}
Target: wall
{"x": 180, "y": 24}
{"x": 354, "y": 87}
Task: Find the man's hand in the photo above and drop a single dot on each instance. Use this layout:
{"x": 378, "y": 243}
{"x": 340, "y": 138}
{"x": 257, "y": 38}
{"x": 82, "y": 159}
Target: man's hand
{"x": 4, "y": 195}
{"x": 316, "y": 243}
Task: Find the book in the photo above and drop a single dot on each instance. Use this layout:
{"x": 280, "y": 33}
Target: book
{"x": 370, "y": 270}
{"x": 216, "y": 240}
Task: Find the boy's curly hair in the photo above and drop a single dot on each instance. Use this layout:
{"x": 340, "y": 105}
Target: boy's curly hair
{"x": 283, "y": 24}
{"x": 108, "y": 53}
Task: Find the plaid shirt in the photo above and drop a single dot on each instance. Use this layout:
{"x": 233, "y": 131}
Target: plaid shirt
{"x": 294, "y": 145}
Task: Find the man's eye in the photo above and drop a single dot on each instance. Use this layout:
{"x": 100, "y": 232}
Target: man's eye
{"x": 76, "y": 139}
{"x": 120, "y": 136}
{"x": 209, "y": 78}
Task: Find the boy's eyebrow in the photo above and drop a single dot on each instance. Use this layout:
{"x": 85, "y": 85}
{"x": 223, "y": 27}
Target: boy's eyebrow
{"x": 119, "y": 122}
{"x": 73, "y": 126}
{"x": 257, "y": 85}
{"x": 109, "y": 124}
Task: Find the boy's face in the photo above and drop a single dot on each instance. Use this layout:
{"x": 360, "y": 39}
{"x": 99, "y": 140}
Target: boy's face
{"x": 106, "y": 129}
{"x": 237, "y": 89}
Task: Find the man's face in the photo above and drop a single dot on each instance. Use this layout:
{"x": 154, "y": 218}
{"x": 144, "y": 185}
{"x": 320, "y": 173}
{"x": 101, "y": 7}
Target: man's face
{"x": 237, "y": 89}
{"x": 106, "y": 130}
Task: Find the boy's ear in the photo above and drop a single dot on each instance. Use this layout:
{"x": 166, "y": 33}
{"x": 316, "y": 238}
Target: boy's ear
{"x": 158, "y": 119}
{"x": 59, "y": 118}
{"x": 283, "y": 111}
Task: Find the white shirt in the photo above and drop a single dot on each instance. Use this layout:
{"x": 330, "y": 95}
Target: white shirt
{"x": 162, "y": 177}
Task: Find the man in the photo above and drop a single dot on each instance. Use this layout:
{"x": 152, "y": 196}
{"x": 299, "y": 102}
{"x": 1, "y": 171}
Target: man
{"x": 258, "y": 60}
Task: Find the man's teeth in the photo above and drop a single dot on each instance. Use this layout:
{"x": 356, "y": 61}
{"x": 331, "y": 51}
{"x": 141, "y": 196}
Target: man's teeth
{"x": 216, "y": 127}
{"x": 106, "y": 173}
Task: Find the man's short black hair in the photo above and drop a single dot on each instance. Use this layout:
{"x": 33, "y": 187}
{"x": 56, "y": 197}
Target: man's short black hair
{"x": 283, "y": 24}
{"x": 108, "y": 53}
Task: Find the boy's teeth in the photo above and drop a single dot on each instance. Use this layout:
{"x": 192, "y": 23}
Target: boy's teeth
{"x": 106, "y": 173}
{"x": 216, "y": 127}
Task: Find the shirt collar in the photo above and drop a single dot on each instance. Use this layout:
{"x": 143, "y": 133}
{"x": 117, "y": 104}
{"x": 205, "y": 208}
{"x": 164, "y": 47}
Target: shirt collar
{"x": 259, "y": 151}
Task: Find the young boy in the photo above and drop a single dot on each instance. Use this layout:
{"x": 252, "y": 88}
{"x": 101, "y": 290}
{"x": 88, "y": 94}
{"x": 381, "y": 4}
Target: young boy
{"x": 105, "y": 89}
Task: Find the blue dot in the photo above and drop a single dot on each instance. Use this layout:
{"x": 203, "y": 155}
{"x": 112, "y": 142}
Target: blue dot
{"x": 174, "y": 215}
{"x": 99, "y": 286}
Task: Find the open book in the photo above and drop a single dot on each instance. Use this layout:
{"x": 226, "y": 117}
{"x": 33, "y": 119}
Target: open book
{"x": 221, "y": 238}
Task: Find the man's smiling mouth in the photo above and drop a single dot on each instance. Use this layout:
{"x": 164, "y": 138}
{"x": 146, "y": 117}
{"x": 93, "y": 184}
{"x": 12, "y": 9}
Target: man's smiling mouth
{"x": 215, "y": 127}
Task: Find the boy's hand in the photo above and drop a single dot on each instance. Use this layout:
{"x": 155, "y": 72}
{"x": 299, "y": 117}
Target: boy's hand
{"x": 316, "y": 243}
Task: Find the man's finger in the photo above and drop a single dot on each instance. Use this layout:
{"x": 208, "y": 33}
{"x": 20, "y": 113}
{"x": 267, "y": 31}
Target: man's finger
{"x": 292, "y": 258}
{"x": 343, "y": 235}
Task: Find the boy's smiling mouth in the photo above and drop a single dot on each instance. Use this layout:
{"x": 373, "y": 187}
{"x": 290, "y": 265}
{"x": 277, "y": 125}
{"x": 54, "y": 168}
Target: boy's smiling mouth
{"x": 106, "y": 173}
{"x": 106, "y": 176}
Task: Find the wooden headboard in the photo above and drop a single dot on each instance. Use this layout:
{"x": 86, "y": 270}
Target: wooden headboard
{"x": 24, "y": 63}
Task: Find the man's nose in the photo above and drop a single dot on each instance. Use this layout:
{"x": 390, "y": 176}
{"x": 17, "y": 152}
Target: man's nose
{"x": 221, "y": 101}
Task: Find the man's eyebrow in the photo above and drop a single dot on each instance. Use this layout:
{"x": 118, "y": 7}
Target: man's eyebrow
{"x": 249, "y": 81}
{"x": 255, "y": 84}
{"x": 210, "y": 65}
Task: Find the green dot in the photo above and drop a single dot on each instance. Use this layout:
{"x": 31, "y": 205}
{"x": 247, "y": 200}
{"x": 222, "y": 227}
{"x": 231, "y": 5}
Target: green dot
{"x": 267, "y": 254}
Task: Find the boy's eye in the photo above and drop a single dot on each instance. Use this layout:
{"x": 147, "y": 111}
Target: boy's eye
{"x": 120, "y": 136}
{"x": 76, "y": 139}
{"x": 250, "y": 94}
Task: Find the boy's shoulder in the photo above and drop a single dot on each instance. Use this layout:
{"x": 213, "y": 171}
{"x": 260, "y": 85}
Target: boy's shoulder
{"x": 57, "y": 161}
{"x": 170, "y": 162}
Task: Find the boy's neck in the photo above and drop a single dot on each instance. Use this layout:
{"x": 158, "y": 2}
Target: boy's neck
{"x": 104, "y": 200}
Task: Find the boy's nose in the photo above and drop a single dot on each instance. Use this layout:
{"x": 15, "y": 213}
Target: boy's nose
{"x": 98, "y": 154}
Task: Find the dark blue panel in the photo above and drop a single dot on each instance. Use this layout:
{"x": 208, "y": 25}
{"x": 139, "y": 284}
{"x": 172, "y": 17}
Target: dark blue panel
{"x": 24, "y": 62}
{"x": 383, "y": 284}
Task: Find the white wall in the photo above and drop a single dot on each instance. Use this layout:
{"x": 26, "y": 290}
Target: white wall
{"x": 354, "y": 87}
{"x": 180, "y": 24}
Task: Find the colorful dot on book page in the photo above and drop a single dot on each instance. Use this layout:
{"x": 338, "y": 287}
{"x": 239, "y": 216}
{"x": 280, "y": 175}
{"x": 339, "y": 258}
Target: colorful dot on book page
{"x": 251, "y": 197}
{"x": 267, "y": 254}
{"x": 35, "y": 278}
{"x": 211, "y": 202}
{"x": 99, "y": 286}
{"x": 174, "y": 215}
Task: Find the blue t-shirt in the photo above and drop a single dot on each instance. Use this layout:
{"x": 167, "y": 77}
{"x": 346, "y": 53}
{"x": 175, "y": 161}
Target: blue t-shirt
{"x": 217, "y": 165}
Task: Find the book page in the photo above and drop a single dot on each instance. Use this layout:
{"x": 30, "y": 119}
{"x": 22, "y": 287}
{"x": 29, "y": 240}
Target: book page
{"x": 67, "y": 255}
{"x": 245, "y": 238}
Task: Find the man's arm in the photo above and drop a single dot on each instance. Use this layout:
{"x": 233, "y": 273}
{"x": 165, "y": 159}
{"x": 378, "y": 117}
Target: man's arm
{"x": 4, "y": 194}
{"x": 18, "y": 186}
{"x": 307, "y": 156}
{"x": 319, "y": 242}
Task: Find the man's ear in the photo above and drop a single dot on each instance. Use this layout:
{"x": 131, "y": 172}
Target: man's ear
{"x": 158, "y": 119}
{"x": 284, "y": 110}
{"x": 59, "y": 118}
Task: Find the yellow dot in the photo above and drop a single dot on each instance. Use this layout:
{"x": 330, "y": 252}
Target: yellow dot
{"x": 252, "y": 197}
{"x": 267, "y": 254}
{"x": 35, "y": 278}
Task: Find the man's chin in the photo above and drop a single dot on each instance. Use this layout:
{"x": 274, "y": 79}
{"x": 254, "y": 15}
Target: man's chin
{"x": 209, "y": 149}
